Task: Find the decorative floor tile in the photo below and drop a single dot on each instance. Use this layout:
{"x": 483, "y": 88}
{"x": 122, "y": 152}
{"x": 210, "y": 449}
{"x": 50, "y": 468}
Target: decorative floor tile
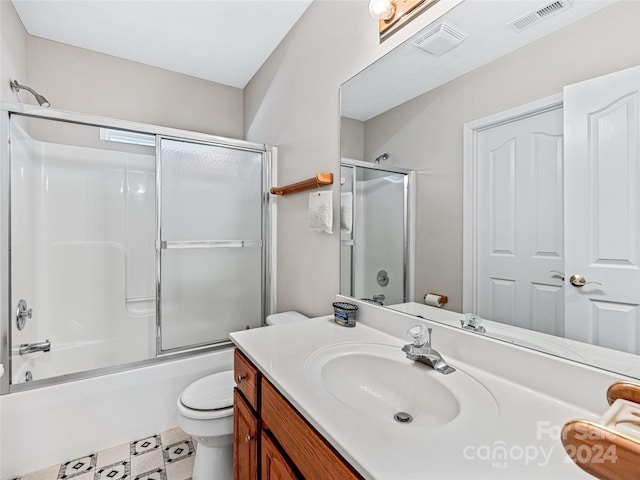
{"x": 166, "y": 456}
{"x": 157, "y": 474}
{"x": 116, "y": 471}
{"x": 74, "y": 468}
{"x": 147, "y": 462}
{"x": 182, "y": 470}
{"x": 113, "y": 455}
{"x": 85, "y": 476}
{"x": 145, "y": 445}
{"x": 178, "y": 451}
{"x": 175, "y": 435}
{"x": 50, "y": 473}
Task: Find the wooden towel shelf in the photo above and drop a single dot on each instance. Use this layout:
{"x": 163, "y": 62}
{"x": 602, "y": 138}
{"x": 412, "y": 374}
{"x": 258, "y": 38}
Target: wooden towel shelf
{"x": 320, "y": 180}
{"x": 599, "y": 448}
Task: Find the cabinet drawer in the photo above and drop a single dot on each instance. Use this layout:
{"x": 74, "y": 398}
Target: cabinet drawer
{"x": 311, "y": 454}
{"x": 247, "y": 378}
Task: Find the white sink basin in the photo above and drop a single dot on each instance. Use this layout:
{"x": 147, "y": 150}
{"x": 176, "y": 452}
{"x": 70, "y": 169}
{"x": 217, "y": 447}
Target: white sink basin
{"x": 378, "y": 381}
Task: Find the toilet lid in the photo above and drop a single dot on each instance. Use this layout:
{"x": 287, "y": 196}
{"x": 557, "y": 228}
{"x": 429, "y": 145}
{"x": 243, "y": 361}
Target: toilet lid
{"x": 213, "y": 392}
{"x": 285, "y": 317}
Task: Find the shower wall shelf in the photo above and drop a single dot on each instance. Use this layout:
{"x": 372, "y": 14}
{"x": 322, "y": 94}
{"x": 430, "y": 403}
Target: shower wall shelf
{"x": 320, "y": 180}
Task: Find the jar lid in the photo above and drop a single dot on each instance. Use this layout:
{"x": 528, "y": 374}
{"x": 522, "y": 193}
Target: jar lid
{"x": 345, "y": 306}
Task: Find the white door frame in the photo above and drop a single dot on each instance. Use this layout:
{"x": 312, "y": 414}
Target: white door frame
{"x": 470, "y": 179}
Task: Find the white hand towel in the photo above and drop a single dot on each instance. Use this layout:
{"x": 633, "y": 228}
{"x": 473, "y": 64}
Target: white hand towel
{"x": 321, "y": 211}
{"x": 346, "y": 212}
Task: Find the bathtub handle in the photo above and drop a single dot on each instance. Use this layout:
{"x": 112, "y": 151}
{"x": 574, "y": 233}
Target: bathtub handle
{"x": 23, "y": 312}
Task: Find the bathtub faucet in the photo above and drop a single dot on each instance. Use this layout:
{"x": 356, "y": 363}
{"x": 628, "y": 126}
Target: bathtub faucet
{"x": 35, "y": 347}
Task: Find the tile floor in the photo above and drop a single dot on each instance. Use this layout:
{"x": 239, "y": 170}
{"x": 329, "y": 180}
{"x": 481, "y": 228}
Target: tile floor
{"x": 166, "y": 456}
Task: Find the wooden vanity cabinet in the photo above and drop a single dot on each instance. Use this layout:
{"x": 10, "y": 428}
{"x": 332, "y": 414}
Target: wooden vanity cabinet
{"x": 246, "y": 431}
{"x": 272, "y": 441}
{"x": 275, "y": 466}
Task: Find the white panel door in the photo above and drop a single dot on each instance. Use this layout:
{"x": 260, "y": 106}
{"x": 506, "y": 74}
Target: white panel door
{"x": 602, "y": 223}
{"x": 520, "y": 222}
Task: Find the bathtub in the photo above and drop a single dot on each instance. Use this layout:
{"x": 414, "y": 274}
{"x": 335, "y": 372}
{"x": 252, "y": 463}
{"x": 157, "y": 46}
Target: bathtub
{"x": 49, "y": 425}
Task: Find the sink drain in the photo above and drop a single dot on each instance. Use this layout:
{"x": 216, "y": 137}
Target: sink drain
{"x": 403, "y": 417}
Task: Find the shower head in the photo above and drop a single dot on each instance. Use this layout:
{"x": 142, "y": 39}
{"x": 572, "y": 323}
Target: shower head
{"x": 16, "y": 87}
{"x": 384, "y": 156}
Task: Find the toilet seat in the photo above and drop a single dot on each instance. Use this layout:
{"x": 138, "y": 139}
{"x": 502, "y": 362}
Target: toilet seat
{"x": 209, "y": 397}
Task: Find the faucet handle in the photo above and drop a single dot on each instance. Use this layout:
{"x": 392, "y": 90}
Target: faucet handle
{"x": 471, "y": 320}
{"x": 418, "y": 334}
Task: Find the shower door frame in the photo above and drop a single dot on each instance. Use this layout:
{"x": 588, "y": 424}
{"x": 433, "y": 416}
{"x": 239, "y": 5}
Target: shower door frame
{"x": 6, "y": 110}
{"x": 408, "y": 222}
{"x": 162, "y": 244}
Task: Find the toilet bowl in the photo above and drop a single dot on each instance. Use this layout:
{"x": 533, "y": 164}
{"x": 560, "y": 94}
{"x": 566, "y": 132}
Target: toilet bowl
{"x": 205, "y": 411}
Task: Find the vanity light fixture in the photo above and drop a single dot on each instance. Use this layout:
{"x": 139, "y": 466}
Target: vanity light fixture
{"x": 394, "y": 14}
{"x": 381, "y": 9}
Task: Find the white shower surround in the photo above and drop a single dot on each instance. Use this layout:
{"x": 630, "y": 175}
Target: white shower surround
{"x": 380, "y": 237}
{"x": 83, "y": 261}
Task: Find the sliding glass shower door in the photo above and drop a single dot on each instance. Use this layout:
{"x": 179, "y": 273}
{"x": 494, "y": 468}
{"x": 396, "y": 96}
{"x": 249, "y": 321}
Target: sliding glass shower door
{"x": 210, "y": 258}
{"x": 117, "y": 246}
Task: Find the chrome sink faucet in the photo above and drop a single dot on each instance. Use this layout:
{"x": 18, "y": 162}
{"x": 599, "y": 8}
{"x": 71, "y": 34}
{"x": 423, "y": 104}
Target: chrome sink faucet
{"x": 472, "y": 322}
{"x": 420, "y": 350}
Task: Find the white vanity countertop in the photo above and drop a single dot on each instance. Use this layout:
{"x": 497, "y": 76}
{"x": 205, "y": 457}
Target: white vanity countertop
{"x": 519, "y": 439}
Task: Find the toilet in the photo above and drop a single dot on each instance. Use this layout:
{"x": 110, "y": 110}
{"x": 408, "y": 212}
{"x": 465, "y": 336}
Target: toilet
{"x": 205, "y": 411}
{"x": 285, "y": 317}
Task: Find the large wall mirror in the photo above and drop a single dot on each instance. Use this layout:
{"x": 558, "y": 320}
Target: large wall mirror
{"x": 491, "y": 105}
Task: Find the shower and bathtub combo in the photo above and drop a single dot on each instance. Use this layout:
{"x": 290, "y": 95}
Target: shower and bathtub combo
{"x": 128, "y": 252}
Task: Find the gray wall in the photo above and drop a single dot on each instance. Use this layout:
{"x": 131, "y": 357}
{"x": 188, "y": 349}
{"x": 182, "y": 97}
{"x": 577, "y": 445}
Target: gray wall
{"x": 430, "y": 137}
{"x": 13, "y": 51}
{"x": 352, "y": 138}
{"x": 293, "y": 102}
{"x": 84, "y": 81}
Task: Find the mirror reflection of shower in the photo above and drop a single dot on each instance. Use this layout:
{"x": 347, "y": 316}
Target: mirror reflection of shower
{"x": 16, "y": 87}
{"x": 373, "y": 238}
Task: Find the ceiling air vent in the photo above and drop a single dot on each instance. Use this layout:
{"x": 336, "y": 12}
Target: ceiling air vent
{"x": 440, "y": 39}
{"x": 539, "y": 14}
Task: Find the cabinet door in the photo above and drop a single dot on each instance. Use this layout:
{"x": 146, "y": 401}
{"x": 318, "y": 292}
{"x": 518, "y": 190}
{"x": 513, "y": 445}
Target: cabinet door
{"x": 312, "y": 455}
{"x": 245, "y": 441}
{"x": 274, "y": 465}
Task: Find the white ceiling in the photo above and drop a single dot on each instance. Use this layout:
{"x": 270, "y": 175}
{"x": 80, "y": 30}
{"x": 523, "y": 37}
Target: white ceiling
{"x": 224, "y": 41}
{"x": 407, "y": 71}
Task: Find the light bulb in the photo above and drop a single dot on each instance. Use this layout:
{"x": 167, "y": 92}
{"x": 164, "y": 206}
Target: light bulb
{"x": 381, "y": 9}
